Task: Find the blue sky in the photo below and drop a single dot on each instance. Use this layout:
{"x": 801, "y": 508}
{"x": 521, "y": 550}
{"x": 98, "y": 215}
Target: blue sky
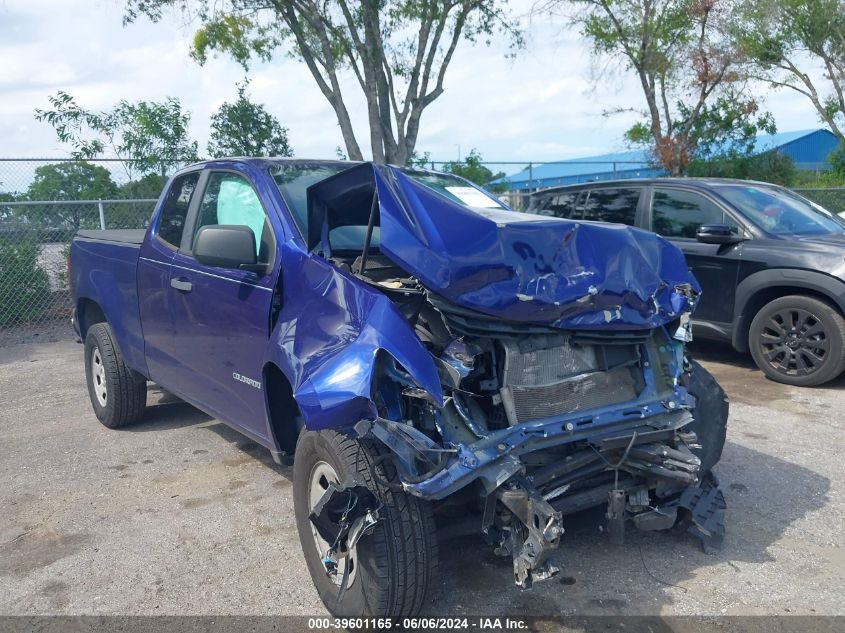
{"x": 541, "y": 106}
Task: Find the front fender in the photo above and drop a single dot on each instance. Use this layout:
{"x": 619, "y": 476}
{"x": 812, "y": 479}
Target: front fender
{"x": 329, "y": 334}
{"x": 824, "y": 284}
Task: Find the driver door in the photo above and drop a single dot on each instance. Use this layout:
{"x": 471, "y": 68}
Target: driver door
{"x": 221, "y": 316}
{"x": 676, "y": 215}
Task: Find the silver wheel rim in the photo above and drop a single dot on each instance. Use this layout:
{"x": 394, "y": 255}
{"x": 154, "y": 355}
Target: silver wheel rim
{"x": 98, "y": 377}
{"x": 322, "y": 474}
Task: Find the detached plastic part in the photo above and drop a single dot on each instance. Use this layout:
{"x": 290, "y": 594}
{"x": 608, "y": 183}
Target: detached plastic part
{"x": 342, "y": 516}
{"x": 706, "y": 505}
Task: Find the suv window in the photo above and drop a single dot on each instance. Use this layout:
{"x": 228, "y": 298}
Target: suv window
{"x": 171, "y": 221}
{"x": 676, "y": 213}
{"x": 611, "y": 205}
{"x": 559, "y": 205}
{"x": 230, "y": 199}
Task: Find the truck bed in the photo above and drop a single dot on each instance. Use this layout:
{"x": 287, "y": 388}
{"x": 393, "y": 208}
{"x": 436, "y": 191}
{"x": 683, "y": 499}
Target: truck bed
{"x": 103, "y": 271}
{"x": 121, "y": 236}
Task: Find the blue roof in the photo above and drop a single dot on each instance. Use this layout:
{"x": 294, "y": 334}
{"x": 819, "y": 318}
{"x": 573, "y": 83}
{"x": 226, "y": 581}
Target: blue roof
{"x": 616, "y": 162}
{"x": 766, "y": 142}
{"x": 807, "y": 148}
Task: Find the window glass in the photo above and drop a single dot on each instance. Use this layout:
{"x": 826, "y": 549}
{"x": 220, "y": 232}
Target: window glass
{"x": 611, "y": 205}
{"x": 676, "y": 213}
{"x": 780, "y": 211}
{"x": 561, "y": 205}
{"x": 455, "y": 189}
{"x": 171, "y": 221}
{"x": 293, "y": 181}
{"x": 353, "y": 237}
{"x": 230, "y": 199}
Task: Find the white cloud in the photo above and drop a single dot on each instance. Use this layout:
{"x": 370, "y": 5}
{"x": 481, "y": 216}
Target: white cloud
{"x": 541, "y": 106}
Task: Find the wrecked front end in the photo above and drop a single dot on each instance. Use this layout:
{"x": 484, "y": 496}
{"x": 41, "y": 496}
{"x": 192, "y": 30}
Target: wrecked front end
{"x": 537, "y": 425}
{"x": 559, "y": 361}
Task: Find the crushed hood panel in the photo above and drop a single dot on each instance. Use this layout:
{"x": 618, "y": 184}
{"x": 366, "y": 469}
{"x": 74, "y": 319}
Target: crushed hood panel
{"x": 518, "y": 266}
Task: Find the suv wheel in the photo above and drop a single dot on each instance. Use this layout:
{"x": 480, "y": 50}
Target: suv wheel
{"x": 798, "y": 341}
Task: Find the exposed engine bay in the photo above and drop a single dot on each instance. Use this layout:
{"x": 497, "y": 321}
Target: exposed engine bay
{"x": 538, "y": 423}
{"x": 547, "y": 374}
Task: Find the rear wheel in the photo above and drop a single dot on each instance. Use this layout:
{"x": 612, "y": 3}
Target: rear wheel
{"x": 117, "y": 393}
{"x": 799, "y": 341}
{"x": 391, "y": 570}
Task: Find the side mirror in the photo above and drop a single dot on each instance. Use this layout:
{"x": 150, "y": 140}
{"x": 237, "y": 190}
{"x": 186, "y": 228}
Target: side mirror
{"x": 717, "y": 234}
{"x": 226, "y": 246}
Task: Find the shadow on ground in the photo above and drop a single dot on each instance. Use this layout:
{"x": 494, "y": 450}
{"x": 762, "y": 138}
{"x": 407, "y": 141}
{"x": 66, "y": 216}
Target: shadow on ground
{"x": 166, "y": 412}
{"x": 765, "y": 495}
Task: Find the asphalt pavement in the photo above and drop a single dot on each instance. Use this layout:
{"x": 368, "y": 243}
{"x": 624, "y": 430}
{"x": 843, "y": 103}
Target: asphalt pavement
{"x": 181, "y": 515}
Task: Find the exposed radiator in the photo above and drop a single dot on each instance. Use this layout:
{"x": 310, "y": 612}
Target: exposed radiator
{"x": 542, "y": 383}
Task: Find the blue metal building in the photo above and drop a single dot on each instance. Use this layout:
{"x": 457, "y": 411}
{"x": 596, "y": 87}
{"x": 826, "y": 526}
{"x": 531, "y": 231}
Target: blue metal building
{"x": 808, "y": 149}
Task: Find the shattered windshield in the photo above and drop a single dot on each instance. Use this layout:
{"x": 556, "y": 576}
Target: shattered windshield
{"x": 780, "y": 211}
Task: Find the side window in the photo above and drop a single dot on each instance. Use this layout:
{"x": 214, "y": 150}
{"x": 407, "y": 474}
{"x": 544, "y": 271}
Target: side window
{"x": 676, "y": 213}
{"x": 171, "y": 221}
{"x": 230, "y": 199}
{"x": 561, "y": 205}
{"x": 611, "y": 205}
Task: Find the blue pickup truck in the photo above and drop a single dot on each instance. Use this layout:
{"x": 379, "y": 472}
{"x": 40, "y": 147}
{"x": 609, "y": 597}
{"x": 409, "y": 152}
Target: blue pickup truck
{"x": 433, "y": 362}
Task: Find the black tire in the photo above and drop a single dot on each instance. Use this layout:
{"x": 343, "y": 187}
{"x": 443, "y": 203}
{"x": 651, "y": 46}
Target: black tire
{"x": 396, "y": 564}
{"x": 798, "y": 341}
{"x": 123, "y": 392}
{"x": 710, "y": 416}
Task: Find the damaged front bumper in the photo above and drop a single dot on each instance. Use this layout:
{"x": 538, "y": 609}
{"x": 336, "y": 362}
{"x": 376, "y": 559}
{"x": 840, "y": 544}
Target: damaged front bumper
{"x": 495, "y": 458}
{"x": 656, "y": 485}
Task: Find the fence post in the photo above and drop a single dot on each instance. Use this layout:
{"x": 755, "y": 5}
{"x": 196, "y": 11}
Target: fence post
{"x": 102, "y": 215}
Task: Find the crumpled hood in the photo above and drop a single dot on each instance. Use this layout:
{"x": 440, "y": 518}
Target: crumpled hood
{"x": 529, "y": 268}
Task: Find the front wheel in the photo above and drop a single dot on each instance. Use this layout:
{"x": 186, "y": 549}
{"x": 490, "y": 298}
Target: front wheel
{"x": 117, "y": 393}
{"x": 390, "y": 571}
{"x": 799, "y": 341}
{"x": 710, "y": 416}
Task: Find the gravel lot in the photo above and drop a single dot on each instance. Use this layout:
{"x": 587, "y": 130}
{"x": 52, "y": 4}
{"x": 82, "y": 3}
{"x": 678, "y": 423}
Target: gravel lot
{"x": 181, "y": 515}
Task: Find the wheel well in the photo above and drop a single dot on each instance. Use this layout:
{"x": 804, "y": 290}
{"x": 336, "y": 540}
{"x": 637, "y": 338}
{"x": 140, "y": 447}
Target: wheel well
{"x": 285, "y": 418}
{"x": 89, "y": 313}
{"x": 765, "y": 295}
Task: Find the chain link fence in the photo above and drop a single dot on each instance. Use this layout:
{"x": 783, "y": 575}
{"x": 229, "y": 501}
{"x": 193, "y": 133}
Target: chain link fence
{"x": 34, "y": 245}
{"x": 43, "y": 202}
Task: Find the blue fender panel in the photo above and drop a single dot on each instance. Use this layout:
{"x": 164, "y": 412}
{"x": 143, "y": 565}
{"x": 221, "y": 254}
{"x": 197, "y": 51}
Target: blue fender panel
{"x": 328, "y": 335}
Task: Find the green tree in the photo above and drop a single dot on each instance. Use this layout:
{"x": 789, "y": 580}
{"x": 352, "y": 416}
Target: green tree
{"x": 769, "y": 166}
{"x": 422, "y": 161}
{"x": 244, "y": 128}
{"x": 148, "y": 186}
{"x": 398, "y": 51}
{"x": 837, "y": 160}
{"x": 72, "y": 180}
{"x": 6, "y": 212}
{"x": 683, "y": 55}
{"x": 473, "y": 169}
{"x": 146, "y": 136}
{"x": 24, "y": 284}
{"x": 787, "y": 40}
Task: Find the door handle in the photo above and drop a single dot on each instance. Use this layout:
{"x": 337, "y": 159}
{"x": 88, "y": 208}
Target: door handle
{"x": 181, "y": 285}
